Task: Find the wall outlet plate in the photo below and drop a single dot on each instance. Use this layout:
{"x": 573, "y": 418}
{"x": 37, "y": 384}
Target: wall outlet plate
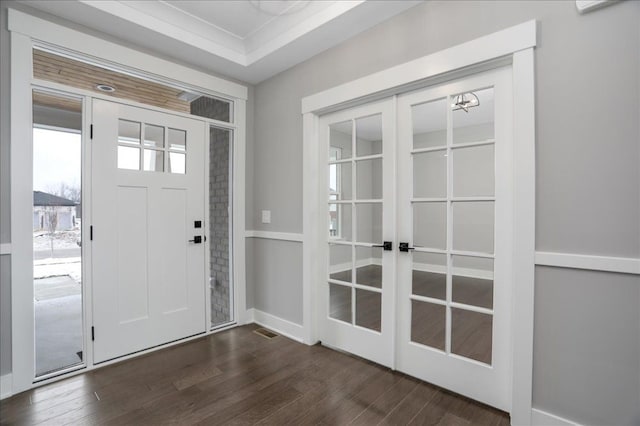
{"x": 266, "y": 216}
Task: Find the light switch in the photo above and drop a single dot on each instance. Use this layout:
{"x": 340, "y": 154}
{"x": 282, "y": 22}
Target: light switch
{"x": 266, "y": 216}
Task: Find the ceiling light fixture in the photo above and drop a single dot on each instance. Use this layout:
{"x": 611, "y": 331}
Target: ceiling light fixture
{"x": 105, "y": 88}
{"x": 464, "y": 101}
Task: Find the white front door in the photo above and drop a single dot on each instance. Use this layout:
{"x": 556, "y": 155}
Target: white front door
{"x": 437, "y": 306}
{"x": 356, "y": 296}
{"x": 148, "y": 193}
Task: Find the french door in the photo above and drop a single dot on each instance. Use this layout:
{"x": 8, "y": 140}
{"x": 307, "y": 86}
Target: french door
{"x": 147, "y": 229}
{"x": 442, "y": 292}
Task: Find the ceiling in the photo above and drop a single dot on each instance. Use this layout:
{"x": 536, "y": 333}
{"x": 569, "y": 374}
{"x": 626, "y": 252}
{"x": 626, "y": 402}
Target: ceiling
{"x": 249, "y": 40}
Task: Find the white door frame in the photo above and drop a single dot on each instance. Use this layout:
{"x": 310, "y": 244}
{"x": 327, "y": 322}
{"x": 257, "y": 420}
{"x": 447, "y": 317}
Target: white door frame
{"x": 513, "y": 46}
{"x": 27, "y": 31}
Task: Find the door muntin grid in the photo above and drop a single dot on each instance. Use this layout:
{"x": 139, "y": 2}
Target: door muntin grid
{"x": 355, "y": 209}
{"x": 452, "y": 207}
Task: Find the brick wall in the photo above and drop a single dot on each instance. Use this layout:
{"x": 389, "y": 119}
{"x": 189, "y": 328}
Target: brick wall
{"x": 219, "y": 225}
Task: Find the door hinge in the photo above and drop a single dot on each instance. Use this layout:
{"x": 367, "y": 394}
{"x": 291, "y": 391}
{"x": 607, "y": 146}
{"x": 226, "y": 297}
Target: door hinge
{"x": 91, "y": 131}
{"x": 93, "y": 333}
{"x": 91, "y": 233}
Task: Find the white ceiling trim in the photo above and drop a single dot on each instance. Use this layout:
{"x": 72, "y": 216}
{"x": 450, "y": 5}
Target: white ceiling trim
{"x": 246, "y": 53}
{"x": 228, "y": 46}
{"x": 167, "y": 19}
{"x": 262, "y": 43}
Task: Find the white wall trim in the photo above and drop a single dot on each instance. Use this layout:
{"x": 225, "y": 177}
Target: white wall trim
{"x": 269, "y": 235}
{"x": 50, "y": 33}
{"x": 623, "y": 265}
{"x": 542, "y": 418}
{"x": 482, "y": 49}
{"x": 5, "y": 248}
{"x": 6, "y": 382}
{"x": 286, "y": 328}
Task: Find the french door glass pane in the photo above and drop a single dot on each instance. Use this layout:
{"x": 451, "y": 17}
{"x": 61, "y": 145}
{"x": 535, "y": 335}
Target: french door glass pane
{"x": 471, "y": 334}
{"x": 428, "y": 324}
{"x": 430, "y": 174}
{"x": 340, "y": 302}
{"x": 369, "y": 220}
{"x": 473, "y": 171}
{"x": 368, "y": 309}
{"x": 340, "y": 140}
{"x": 369, "y": 179}
{"x": 340, "y": 223}
{"x": 369, "y": 135}
{"x": 369, "y": 270}
{"x": 429, "y": 124}
{"x": 429, "y": 275}
{"x": 473, "y": 226}
{"x": 430, "y": 225}
{"x": 57, "y": 232}
{"x": 475, "y": 124}
{"x": 472, "y": 281}
{"x": 340, "y": 262}
{"x": 340, "y": 180}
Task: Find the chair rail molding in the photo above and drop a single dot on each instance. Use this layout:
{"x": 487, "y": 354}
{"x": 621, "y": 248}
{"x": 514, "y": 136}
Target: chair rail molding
{"x": 270, "y": 235}
{"x": 623, "y": 265}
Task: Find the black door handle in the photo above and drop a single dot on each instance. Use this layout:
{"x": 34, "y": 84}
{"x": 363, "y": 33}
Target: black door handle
{"x": 387, "y": 246}
{"x": 405, "y": 247}
{"x": 196, "y": 240}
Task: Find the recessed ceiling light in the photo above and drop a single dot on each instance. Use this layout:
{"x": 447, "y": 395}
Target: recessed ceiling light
{"x": 105, "y": 88}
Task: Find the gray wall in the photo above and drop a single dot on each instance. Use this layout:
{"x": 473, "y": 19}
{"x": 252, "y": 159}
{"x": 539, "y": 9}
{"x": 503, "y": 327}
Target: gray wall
{"x": 588, "y": 181}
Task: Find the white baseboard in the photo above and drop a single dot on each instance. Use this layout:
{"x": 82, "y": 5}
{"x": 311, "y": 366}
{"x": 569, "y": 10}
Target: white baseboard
{"x": 6, "y": 384}
{"x": 281, "y": 326}
{"x": 542, "y": 418}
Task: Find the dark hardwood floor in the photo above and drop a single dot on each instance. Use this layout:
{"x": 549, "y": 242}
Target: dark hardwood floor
{"x": 240, "y": 377}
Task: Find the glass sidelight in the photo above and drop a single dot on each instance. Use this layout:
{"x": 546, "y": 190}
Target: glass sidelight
{"x": 220, "y": 281}
{"x": 57, "y": 233}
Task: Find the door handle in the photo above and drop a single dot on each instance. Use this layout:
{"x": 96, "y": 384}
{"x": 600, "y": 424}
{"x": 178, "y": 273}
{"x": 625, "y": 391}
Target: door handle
{"x": 196, "y": 239}
{"x": 405, "y": 247}
{"x": 387, "y": 246}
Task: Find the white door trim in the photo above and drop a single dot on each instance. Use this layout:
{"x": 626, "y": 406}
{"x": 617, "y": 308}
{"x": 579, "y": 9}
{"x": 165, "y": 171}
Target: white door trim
{"x": 515, "y": 45}
{"x": 27, "y": 31}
